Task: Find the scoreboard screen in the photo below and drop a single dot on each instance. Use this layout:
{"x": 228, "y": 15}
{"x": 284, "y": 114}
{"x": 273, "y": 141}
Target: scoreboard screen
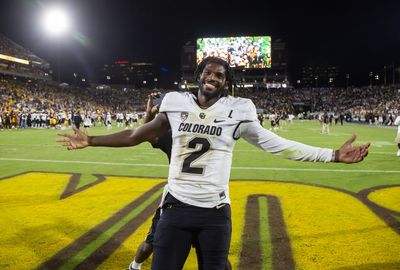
{"x": 244, "y": 52}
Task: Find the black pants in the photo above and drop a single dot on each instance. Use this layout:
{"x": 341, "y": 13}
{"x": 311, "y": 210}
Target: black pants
{"x": 181, "y": 225}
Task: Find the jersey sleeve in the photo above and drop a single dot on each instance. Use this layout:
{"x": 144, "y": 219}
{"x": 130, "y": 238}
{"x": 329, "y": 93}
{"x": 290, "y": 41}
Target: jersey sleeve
{"x": 247, "y": 110}
{"x": 171, "y": 101}
{"x": 397, "y": 121}
{"x": 270, "y": 142}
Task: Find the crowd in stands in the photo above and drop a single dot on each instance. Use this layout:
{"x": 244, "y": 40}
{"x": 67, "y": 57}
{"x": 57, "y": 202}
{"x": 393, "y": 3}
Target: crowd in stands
{"x": 47, "y": 100}
{"x": 32, "y": 70}
{"x": 24, "y": 70}
{"x": 20, "y": 100}
{"x": 8, "y": 47}
{"x": 369, "y": 103}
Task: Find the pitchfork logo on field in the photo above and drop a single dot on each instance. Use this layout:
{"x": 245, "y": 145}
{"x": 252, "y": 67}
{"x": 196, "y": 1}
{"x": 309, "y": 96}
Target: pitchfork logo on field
{"x": 184, "y": 116}
{"x": 265, "y": 205}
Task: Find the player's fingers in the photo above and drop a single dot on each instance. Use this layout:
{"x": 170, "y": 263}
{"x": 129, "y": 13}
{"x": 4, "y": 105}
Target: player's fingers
{"x": 150, "y": 101}
{"x": 62, "y": 140}
{"x": 63, "y": 134}
{"x": 352, "y": 139}
{"x": 364, "y": 149}
{"x": 364, "y": 152}
{"x": 365, "y": 146}
{"x": 357, "y": 154}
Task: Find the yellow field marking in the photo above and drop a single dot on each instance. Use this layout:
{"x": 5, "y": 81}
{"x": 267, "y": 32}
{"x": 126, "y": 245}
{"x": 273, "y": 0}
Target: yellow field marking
{"x": 35, "y": 224}
{"x": 123, "y": 256}
{"x": 328, "y": 229}
{"x": 388, "y": 198}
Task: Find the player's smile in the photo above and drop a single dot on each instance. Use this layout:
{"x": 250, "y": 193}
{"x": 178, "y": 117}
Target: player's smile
{"x": 213, "y": 78}
{"x": 210, "y": 85}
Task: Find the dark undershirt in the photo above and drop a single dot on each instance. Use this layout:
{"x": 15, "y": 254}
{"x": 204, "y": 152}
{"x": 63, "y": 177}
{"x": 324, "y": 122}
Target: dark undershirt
{"x": 164, "y": 143}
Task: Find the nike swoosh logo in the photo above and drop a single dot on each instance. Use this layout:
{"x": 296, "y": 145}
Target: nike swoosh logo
{"x": 218, "y": 121}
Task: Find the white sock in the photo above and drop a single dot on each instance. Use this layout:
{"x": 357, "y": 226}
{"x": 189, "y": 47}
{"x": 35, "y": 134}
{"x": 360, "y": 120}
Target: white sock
{"x": 135, "y": 265}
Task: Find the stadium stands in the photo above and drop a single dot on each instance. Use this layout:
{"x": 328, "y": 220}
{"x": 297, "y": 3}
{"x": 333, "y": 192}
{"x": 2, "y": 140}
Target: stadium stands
{"x": 376, "y": 104}
{"x": 359, "y": 102}
{"x": 18, "y": 61}
{"x": 27, "y": 89}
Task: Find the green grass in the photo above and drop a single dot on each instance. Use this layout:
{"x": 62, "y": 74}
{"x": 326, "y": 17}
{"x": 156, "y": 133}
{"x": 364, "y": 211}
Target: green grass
{"x": 38, "y": 151}
{"x": 265, "y": 237}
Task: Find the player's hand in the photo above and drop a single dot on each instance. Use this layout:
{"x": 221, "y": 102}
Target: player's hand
{"x": 152, "y": 109}
{"x": 78, "y": 140}
{"x": 350, "y": 154}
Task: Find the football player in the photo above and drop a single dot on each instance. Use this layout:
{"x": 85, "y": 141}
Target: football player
{"x": 397, "y": 140}
{"x": 205, "y": 127}
{"x": 164, "y": 143}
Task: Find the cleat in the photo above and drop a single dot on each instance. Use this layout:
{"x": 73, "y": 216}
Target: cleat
{"x": 131, "y": 267}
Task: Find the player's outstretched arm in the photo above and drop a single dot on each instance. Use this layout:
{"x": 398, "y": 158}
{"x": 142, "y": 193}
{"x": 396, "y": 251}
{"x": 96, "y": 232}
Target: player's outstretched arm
{"x": 270, "y": 142}
{"x": 147, "y": 132}
{"x": 350, "y": 154}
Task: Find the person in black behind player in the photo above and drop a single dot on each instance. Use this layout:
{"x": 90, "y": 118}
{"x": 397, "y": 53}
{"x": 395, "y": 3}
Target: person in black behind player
{"x": 77, "y": 119}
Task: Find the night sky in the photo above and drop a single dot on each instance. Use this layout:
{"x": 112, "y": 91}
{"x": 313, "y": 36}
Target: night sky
{"x": 356, "y": 36}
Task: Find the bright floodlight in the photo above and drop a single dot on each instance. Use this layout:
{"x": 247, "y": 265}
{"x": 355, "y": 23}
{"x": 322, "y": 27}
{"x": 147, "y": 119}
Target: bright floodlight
{"x": 56, "y": 21}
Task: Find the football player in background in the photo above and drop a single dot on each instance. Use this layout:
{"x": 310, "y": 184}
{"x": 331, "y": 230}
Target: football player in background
{"x": 397, "y": 140}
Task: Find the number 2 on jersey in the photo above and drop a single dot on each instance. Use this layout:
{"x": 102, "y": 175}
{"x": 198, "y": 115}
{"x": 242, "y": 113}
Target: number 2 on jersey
{"x": 205, "y": 146}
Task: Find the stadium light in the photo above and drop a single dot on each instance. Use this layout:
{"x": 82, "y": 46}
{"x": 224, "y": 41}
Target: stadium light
{"x": 55, "y": 21}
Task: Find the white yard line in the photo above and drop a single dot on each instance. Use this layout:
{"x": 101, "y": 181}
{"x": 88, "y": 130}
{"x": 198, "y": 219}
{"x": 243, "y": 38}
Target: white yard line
{"x": 82, "y": 162}
{"x": 370, "y": 152}
{"x": 164, "y": 165}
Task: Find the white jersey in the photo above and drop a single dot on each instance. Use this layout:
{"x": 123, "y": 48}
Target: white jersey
{"x": 87, "y": 121}
{"x": 120, "y": 116}
{"x": 397, "y": 123}
{"x": 203, "y": 142}
{"x": 128, "y": 116}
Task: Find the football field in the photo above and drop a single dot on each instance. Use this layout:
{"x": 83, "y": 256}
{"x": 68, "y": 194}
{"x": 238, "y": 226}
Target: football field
{"x": 91, "y": 208}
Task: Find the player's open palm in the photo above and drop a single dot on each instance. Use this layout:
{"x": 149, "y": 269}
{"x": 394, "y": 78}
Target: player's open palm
{"x": 77, "y": 140}
{"x": 350, "y": 154}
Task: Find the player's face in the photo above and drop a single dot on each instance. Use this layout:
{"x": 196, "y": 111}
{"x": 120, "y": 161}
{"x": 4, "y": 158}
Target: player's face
{"x": 212, "y": 80}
